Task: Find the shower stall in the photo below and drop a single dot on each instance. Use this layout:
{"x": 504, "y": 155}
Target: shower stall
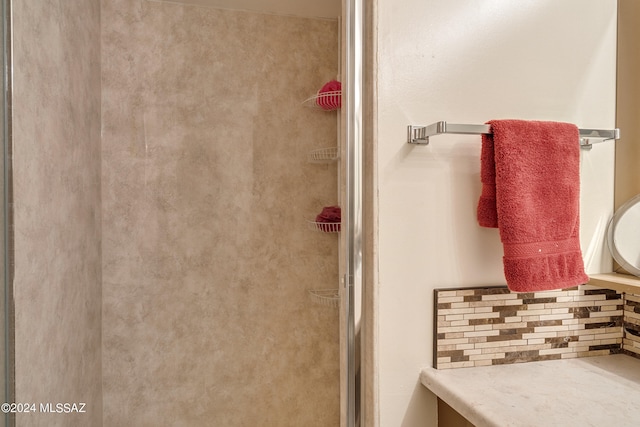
{"x": 163, "y": 265}
{"x": 207, "y": 260}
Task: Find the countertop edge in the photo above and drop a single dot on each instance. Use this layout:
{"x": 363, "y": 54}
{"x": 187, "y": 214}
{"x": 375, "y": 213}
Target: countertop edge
{"x": 469, "y": 410}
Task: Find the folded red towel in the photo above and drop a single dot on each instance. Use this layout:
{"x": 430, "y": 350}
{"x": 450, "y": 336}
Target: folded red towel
{"x": 330, "y": 96}
{"x": 530, "y": 174}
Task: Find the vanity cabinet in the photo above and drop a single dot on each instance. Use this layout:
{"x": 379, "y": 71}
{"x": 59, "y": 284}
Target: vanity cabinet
{"x": 449, "y": 417}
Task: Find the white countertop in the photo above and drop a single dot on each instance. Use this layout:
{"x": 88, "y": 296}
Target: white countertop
{"x": 590, "y": 391}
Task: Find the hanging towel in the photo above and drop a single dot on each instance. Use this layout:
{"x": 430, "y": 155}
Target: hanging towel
{"x": 530, "y": 173}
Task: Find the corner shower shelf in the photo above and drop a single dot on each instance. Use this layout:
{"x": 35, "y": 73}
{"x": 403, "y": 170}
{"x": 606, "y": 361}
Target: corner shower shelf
{"x": 324, "y": 227}
{"x": 323, "y": 155}
{"x": 326, "y": 101}
{"x": 328, "y": 297}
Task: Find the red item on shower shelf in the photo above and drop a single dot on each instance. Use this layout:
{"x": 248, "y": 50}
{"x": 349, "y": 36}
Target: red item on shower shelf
{"x": 330, "y": 96}
{"x": 329, "y": 219}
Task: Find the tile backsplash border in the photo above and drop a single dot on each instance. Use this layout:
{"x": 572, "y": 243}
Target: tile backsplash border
{"x": 631, "y": 323}
{"x": 490, "y": 325}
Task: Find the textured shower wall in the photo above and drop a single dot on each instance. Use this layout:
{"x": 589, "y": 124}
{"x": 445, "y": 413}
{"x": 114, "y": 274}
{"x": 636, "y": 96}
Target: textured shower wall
{"x": 56, "y": 170}
{"x": 206, "y": 189}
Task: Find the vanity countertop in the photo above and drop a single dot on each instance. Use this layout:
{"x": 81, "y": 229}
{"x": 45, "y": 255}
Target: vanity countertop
{"x": 590, "y": 391}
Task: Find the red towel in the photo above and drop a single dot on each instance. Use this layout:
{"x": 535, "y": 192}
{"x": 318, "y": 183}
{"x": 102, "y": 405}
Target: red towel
{"x": 530, "y": 174}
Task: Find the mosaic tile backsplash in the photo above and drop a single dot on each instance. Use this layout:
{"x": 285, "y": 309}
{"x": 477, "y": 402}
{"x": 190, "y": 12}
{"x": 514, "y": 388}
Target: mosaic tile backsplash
{"x": 631, "y": 341}
{"x": 492, "y": 326}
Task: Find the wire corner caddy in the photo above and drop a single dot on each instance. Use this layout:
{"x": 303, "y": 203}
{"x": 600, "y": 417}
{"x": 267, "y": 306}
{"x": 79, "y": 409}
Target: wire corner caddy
{"x": 420, "y": 134}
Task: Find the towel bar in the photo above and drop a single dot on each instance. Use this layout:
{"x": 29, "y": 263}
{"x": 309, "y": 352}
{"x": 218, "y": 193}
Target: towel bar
{"x": 420, "y": 134}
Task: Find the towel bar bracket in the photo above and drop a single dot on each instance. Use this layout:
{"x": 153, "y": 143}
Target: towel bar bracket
{"x": 417, "y": 135}
{"x": 420, "y": 134}
{"x": 590, "y": 136}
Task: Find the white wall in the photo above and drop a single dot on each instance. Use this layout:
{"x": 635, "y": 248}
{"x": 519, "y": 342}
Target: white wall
{"x": 469, "y": 61}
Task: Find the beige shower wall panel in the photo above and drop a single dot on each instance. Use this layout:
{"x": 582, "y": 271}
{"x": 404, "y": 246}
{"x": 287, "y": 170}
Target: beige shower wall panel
{"x": 56, "y": 172}
{"x": 207, "y": 259}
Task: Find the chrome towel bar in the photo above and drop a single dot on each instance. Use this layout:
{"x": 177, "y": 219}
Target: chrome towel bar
{"x": 420, "y": 134}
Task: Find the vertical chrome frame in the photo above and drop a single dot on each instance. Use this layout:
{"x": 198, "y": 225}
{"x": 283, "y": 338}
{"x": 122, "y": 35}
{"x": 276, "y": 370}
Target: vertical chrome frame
{"x": 8, "y": 333}
{"x": 353, "y": 211}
